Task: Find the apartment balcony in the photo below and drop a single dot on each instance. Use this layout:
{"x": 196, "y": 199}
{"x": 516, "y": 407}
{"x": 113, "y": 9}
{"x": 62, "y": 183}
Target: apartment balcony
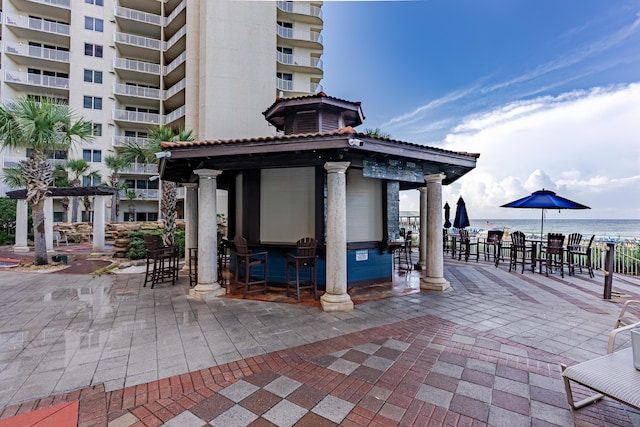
{"x": 37, "y": 53}
{"x": 175, "y": 70}
{"x": 302, "y": 38}
{"x": 10, "y": 162}
{"x": 141, "y": 194}
{"x": 140, "y": 169}
{"x": 125, "y": 141}
{"x": 304, "y": 12}
{"x": 176, "y": 44}
{"x": 125, "y": 116}
{"x": 132, "y": 70}
{"x": 295, "y": 63}
{"x": 175, "y": 115}
{"x": 56, "y": 85}
{"x": 175, "y": 19}
{"x": 181, "y": 192}
{"x": 55, "y": 9}
{"x": 35, "y": 28}
{"x": 139, "y": 22}
{"x": 131, "y": 94}
{"x": 297, "y": 87}
{"x": 142, "y": 48}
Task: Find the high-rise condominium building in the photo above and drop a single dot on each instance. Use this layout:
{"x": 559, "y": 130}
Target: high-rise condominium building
{"x": 210, "y": 66}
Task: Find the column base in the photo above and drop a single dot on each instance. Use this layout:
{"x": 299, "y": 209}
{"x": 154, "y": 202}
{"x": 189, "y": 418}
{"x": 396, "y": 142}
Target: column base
{"x": 336, "y": 302}
{"x": 21, "y": 249}
{"x": 420, "y": 266}
{"x": 204, "y": 292}
{"x": 435, "y": 284}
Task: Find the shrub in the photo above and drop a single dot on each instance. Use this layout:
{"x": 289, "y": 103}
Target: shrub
{"x": 137, "y": 248}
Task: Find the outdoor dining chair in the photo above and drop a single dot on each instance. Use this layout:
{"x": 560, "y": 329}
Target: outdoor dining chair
{"x": 162, "y": 261}
{"x": 493, "y": 246}
{"x": 465, "y": 244}
{"x": 580, "y": 256}
{"x": 304, "y": 265}
{"x": 251, "y": 268}
{"x": 519, "y": 252}
{"x": 553, "y": 253}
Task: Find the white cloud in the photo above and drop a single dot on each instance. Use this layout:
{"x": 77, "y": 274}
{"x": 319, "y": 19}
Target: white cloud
{"x": 584, "y": 145}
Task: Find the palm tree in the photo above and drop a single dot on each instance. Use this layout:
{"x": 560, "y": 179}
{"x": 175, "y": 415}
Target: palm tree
{"x": 93, "y": 176}
{"x": 13, "y": 177}
{"x": 77, "y": 169}
{"x": 61, "y": 179}
{"x": 378, "y": 133}
{"x": 116, "y": 164}
{"x": 146, "y": 154}
{"x": 42, "y": 126}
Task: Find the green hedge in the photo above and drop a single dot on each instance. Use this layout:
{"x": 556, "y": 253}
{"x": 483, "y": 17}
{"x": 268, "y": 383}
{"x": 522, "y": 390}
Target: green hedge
{"x": 137, "y": 248}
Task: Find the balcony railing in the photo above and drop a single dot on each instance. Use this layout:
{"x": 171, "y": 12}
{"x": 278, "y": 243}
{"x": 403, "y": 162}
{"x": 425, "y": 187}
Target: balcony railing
{"x": 58, "y": 3}
{"x": 141, "y": 168}
{"x": 291, "y": 86}
{"x": 9, "y": 162}
{"x": 136, "y": 15}
{"x": 141, "y": 194}
{"x": 175, "y": 114}
{"x": 175, "y": 63}
{"x": 123, "y": 141}
{"x": 36, "y": 24}
{"x": 137, "y": 117}
{"x": 177, "y": 36}
{"x": 36, "y": 80}
{"x": 133, "y": 65}
{"x": 141, "y": 92}
{"x": 175, "y": 12}
{"x": 36, "y": 52}
{"x": 144, "y": 42}
{"x": 303, "y": 61}
{"x": 305, "y": 35}
{"x": 175, "y": 89}
{"x": 300, "y": 8}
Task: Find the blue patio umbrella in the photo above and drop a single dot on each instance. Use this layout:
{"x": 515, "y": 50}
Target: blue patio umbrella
{"x": 544, "y": 199}
{"x": 461, "y": 219}
{"x": 447, "y": 220}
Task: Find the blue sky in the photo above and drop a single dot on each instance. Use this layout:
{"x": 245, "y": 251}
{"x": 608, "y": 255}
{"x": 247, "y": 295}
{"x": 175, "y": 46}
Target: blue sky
{"x": 548, "y": 92}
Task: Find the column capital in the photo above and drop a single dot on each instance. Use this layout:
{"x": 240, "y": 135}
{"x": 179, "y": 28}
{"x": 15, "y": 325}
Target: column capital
{"x": 436, "y": 177}
{"x": 422, "y": 189}
{"x": 191, "y": 185}
{"x": 336, "y": 167}
{"x": 207, "y": 173}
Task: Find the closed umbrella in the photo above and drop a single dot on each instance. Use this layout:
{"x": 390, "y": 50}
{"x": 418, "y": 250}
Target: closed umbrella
{"x": 447, "y": 214}
{"x": 461, "y": 219}
{"x": 544, "y": 199}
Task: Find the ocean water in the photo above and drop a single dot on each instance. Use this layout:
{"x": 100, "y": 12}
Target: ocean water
{"x": 604, "y": 229}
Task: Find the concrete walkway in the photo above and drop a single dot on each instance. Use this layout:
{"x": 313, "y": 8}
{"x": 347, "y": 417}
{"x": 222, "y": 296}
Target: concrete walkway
{"x": 485, "y": 352}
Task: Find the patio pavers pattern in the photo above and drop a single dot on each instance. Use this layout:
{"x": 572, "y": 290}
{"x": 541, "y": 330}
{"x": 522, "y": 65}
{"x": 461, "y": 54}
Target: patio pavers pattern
{"x": 486, "y": 352}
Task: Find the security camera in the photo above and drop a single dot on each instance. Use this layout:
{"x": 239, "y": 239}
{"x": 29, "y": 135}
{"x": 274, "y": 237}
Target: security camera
{"x": 354, "y": 142}
{"x": 162, "y": 154}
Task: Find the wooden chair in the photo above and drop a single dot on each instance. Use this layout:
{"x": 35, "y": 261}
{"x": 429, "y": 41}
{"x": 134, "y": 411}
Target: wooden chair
{"x": 164, "y": 260}
{"x": 553, "y": 253}
{"x": 493, "y": 246}
{"x": 304, "y": 259}
{"x": 465, "y": 244}
{"x": 402, "y": 253}
{"x": 251, "y": 268}
{"x": 580, "y": 256}
{"x": 519, "y": 251}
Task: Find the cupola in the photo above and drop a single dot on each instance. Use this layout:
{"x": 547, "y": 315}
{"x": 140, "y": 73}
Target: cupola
{"x": 312, "y": 114}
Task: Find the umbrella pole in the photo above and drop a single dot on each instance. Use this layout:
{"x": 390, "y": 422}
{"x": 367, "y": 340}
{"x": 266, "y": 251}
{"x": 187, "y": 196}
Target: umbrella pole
{"x": 542, "y": 226}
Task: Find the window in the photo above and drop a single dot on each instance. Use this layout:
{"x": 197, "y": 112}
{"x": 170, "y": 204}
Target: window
{"x": 51, "y": 154}
{"x": 93, "y": 76}
{"x": 93, "y": 24}
{"x": 91, "y": 181}
{"x": 93, "y": 50}
{"x": 97, "y": 129}
{"x": 96, "y": 2}
{"x": 94, "y": 156}
{"x": 93, "y": 102}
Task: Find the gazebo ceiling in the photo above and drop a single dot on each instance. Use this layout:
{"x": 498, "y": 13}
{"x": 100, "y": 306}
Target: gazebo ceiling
{"x": 313, "y": 149}
{"x": 67, "y": 191}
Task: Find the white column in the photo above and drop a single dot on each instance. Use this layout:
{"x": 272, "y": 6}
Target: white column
{"x": 336, "y": 298}
{"x": 98, "y": 224}
{"x": 422, "y": 262}
{"x": 208, "y": 285}
{"x": 191, "y": 222}
{"x": 48, "y": 223}
{"x": 21, "y": 226}
{"x": 434, "y": 279}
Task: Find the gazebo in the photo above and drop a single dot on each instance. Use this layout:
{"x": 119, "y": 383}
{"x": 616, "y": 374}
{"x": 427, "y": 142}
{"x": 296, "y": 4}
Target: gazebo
{"x": 317, "y": 177}
{"x": 98, "y": 219}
